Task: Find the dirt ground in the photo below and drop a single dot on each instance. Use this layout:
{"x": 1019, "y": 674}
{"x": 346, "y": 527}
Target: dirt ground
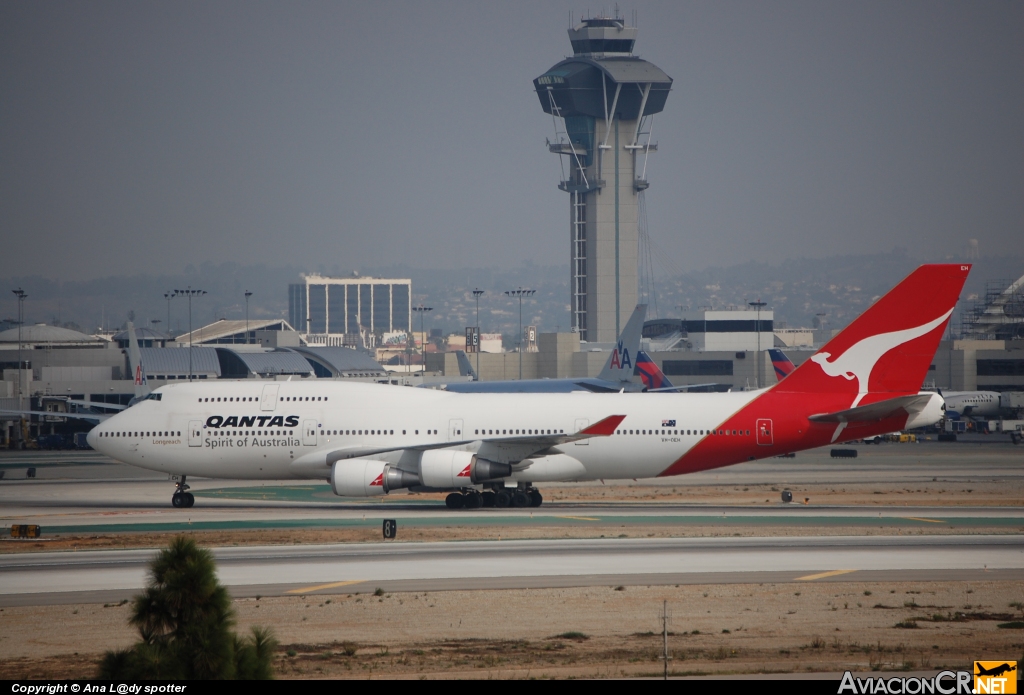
{"x": 571, "y": 633}
{"x": 584, "y": 632}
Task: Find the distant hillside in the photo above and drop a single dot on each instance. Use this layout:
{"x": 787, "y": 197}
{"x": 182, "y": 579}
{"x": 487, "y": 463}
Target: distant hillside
{"x": 797, "y": 289}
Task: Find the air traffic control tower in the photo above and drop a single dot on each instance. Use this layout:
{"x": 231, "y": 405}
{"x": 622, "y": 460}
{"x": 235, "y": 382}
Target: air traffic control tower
{"x": 603, "y": 100}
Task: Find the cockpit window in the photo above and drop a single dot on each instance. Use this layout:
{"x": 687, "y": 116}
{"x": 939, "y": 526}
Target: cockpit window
{"x": 153, "y": 397}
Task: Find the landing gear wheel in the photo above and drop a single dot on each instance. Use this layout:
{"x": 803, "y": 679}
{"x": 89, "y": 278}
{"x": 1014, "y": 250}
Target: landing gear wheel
{"x": 454, "y": 500}
{"x": 487, "y": 498}
{"x": 520, "y": 499}
{"x": 536, "y": 499}
{"x": 502, "y": 499}
{"x": 182, "y": 499}
{"x": 473, "y": 500}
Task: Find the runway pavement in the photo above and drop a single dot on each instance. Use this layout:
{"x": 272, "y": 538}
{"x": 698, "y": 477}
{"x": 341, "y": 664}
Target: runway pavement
{"x": 70, "y": 577}
{"x": 84, "y": 492}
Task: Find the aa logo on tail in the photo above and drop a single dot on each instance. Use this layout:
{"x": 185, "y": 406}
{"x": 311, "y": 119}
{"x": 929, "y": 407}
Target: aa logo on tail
{"x": 620, "y": 358}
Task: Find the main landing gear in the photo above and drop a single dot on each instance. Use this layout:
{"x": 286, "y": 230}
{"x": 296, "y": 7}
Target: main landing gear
{"x": 499, "y": 497}
{"x": 182, "y": 499}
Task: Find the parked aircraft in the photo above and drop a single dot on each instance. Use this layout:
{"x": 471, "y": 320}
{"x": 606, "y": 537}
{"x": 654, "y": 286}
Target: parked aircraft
{"x": 972, "y": 404}
{"x": 617, "y": 374}
{"x": 783, "y": 365}
{"x": 487, "y": 448}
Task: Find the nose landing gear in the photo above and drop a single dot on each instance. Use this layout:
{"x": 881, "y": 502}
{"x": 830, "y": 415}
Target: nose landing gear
{"x": 182, "y": 499}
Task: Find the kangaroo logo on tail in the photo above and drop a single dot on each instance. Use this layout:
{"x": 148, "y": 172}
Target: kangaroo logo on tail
{"x": 858, "y": 361}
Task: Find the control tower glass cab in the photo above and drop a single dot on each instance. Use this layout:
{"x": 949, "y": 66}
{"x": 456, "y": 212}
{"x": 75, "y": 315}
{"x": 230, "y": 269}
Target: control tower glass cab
{"x": 603, "y": 100}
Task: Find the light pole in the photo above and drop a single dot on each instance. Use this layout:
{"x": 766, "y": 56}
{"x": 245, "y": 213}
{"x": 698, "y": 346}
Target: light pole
{"x": 247, "y": 295}
{"x": 189, "y": 293}
{"x": 20, "y": 294}
{"x": 421, "y": 310}
{"x": 520, "y": 293}
{"x": 476, "y": 295}
{"x": 758, "y": 304}
{"x": 169, "y": 295}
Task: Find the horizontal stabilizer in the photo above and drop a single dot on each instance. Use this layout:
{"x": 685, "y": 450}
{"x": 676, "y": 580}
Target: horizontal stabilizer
{"x": 877, "y": 411}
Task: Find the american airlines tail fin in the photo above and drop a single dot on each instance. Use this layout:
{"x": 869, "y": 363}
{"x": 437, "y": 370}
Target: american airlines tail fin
{"x": 889, "y": 347}
{"x": 135, "y": 364}
{"x": 783, "y": 365}
{"x": 653, "y": 378}
{"x": 620, "y": 364}
{"x": 465, "y": 366}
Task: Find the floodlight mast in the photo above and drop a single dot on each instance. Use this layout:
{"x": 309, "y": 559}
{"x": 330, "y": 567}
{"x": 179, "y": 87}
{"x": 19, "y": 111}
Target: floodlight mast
{"x": 758, "y": 304}
{"x": 20, "y": 294}
{"x": 520, "y": 293}
{"x": 476, "y": 294}
{"x": 422, "y": 310}
{"x": 247, "y": 295}
{"x": 189, "y": 292}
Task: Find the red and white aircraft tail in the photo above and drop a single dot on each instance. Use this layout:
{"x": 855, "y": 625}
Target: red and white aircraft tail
{"x": 889, "y": 347}
{"x": 865, "y": 381}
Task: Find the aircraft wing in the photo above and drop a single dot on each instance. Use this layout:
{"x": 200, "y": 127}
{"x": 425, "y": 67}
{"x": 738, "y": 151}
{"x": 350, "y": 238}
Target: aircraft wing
{"x": 685, "y": 387}
{"x": 876, "y": 411}
{"x": 97, "y": 404}
{"x": 509, "y": 449}
{"x": 96, "y": 417}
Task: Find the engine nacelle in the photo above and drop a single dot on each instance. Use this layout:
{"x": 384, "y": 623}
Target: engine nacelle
{"x": 446, "y": 470}
{"x": 358, "y": 478}
{"x": 368, "y": 478}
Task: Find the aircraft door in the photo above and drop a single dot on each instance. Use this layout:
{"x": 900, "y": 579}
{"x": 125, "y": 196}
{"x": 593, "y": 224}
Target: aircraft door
{"x": 195, "y": 433}
{"x": 764, "y": 432}
{"x": 269, "y": 399}
{"x": 455, "y": 430}
{"x": 309, "y": 433}
{"x": 582, "y": 424}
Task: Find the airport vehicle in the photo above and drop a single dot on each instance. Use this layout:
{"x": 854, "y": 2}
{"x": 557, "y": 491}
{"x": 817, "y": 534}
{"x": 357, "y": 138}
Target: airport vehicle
{"x": 616, "y": 376}
{"x": 369, "y": 439}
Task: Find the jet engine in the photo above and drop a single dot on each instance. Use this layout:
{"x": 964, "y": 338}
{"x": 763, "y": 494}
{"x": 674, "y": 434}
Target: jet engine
{"x": 368, "y": 478}
{"x": 446, "y": 470}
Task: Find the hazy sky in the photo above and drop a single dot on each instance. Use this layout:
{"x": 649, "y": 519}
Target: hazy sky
{"x": 153, "y": 135}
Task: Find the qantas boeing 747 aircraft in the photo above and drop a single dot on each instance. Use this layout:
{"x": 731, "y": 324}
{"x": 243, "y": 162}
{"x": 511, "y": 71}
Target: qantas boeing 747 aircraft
{"x": 493, "y": 448}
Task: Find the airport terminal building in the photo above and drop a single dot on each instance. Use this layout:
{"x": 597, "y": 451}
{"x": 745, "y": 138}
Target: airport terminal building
{"x": 337, "y": 311}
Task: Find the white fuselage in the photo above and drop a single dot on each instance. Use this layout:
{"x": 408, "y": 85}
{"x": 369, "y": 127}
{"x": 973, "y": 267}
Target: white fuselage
{"x": 254, "y": 430}
{"x": 980, "y": 404}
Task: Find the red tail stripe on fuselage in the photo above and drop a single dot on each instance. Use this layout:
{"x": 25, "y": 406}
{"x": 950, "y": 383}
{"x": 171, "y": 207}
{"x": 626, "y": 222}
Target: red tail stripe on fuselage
{"x": 924, "y": 297}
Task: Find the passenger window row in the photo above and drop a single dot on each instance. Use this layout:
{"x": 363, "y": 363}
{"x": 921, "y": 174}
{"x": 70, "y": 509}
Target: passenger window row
{"x": 250, "y": 399}
{"x": 519, "y": 431}
{"x": 140, "y": 434}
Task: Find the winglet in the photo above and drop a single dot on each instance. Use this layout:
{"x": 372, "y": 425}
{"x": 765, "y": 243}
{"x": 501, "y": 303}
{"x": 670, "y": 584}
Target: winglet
{"x": 605, "y": 427}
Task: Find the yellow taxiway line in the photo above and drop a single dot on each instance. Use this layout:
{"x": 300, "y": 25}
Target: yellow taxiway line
{"x": 833, "y": 573}
{"x": 333, "y": 585}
